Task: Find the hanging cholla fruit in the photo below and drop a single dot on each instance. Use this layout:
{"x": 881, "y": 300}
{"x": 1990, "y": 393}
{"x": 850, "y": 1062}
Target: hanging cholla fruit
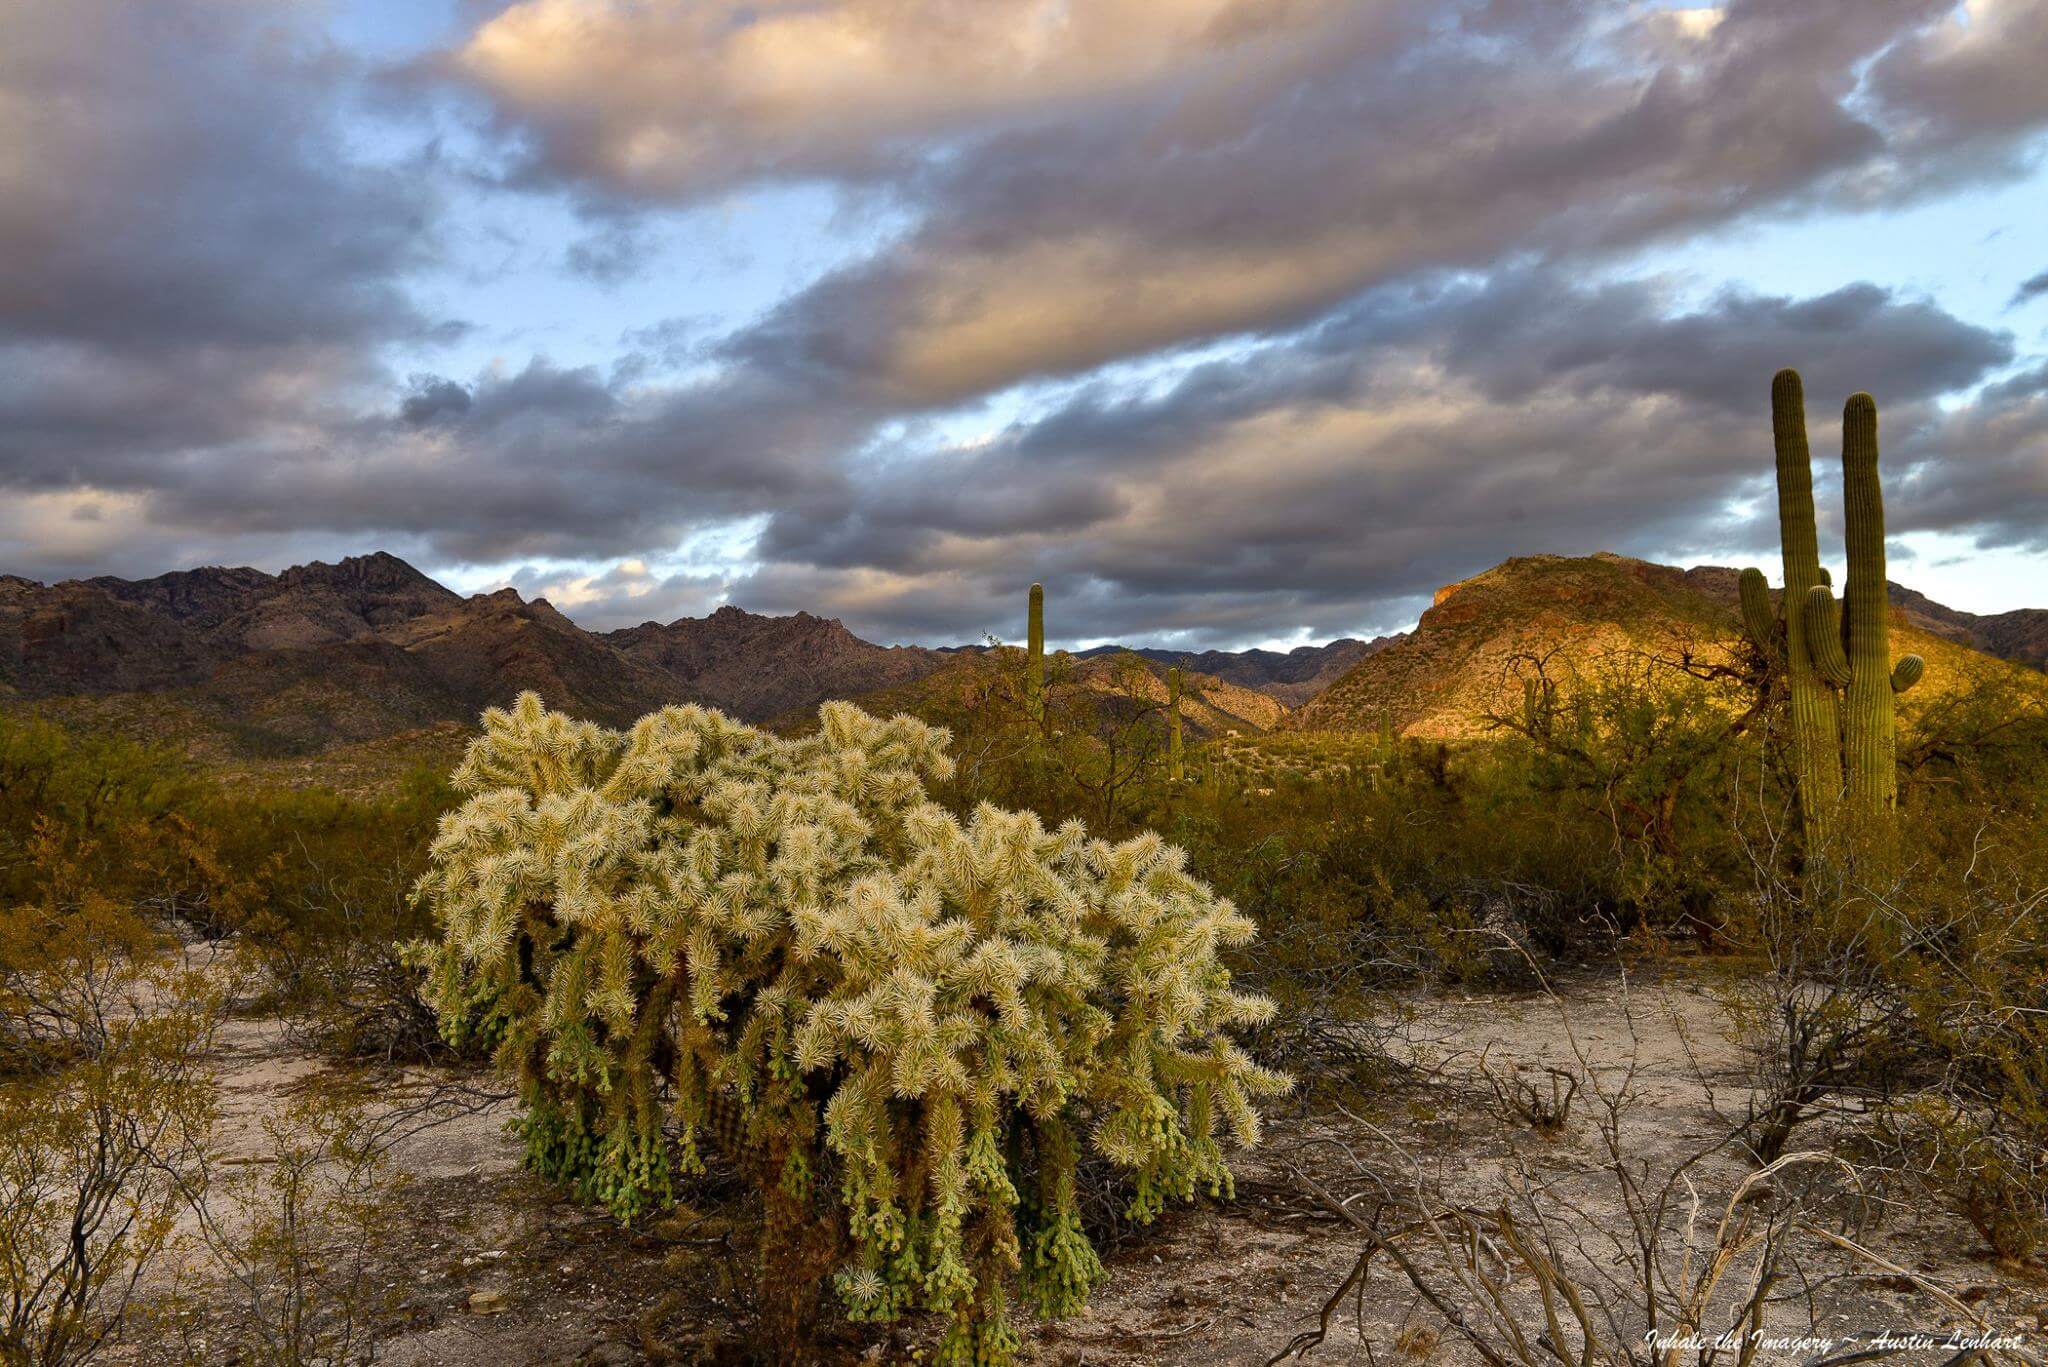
{"x": 1034, "y": 664}
{"x": 1175, "y": 769}
{"x": 1820, "y": 656}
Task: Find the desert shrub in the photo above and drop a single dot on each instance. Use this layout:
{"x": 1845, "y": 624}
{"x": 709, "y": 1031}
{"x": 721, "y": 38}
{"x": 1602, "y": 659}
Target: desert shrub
{"x": 88, "y": 1188}
{"x": 1091, "y": 742}
{"x": 1976, "y": 985}
{"x": 1915, "y": 999}
{"x": 282, "y": 1269}
{"x": 107, "y": 807}
{"x": 907, "y": 1029}
{"x": 1638, "y": 1258}
{"x": 315, "y": 886}
{"x": 329, "y": 933}
{"x": 104, "y": 1099}
{"x": 71, "y": 961}
{"x": 1640, "y": 751}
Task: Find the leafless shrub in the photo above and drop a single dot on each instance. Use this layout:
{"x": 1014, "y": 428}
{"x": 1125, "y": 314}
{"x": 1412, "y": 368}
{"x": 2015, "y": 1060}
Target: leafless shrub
{"x": 1635, "y": 1266}
{"x": 1520, "y": 1095}
{"x": 290, "y": 1237}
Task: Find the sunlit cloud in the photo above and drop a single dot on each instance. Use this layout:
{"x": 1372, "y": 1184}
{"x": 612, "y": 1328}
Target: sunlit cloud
{"x": 1239, "y": 321}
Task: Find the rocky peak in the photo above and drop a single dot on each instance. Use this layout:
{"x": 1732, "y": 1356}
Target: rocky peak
{"x": 379, "y": 571}
{"x": 759, "y": 666}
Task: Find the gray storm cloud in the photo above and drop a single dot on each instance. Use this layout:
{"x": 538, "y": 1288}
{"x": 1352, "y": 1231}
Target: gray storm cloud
{"x": 1412, "y": 244}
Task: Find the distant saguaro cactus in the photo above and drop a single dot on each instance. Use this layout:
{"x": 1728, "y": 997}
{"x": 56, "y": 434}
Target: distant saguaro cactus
{"x": 1034, "y": 667}
{"x": 1840, "y": 673}
{"x": 1176, "y": 768}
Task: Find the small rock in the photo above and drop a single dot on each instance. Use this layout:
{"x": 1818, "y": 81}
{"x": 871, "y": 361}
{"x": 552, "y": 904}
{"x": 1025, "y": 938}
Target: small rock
{"x": 486, "y": 1302}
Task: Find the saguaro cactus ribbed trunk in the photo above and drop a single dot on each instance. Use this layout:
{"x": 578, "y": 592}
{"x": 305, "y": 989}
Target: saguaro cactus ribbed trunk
{"x": 1034, "y": 665}
{"x": 1175, "y": 768}
{"x": 1839, "y": 674}
{"x": 1869, "y": 746}
{"x": 1815, "y": 739}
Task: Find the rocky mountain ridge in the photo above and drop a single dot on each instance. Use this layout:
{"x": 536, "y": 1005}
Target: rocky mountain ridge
{"x": 757, "y": 667}
{"x": 1440, "y": 681}
{"x": 1292, "y": 676}
{"x": 370, "y": 647}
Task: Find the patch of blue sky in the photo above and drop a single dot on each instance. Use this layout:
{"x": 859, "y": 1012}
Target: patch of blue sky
{"x": 1968, "y": 253}
{"x": 537, "y": 276}
{"x": 989, "y": 419}
{"x": 723, "y": 551}
{"x": 394, "y": 30}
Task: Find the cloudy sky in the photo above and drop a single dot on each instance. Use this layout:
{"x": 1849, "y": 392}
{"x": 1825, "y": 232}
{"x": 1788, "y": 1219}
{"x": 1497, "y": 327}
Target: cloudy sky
{"x": 1234, "y": 321}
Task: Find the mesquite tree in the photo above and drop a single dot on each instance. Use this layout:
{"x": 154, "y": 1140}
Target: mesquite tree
{"x": 904, "y": 1028}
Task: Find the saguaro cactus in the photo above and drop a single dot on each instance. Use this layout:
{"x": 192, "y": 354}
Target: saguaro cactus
{"x": 1839, "y": 674}
{"x": 1034, "y": 666}
{"x": 1869, "y": 729}
{"x": 1175, "y": 755}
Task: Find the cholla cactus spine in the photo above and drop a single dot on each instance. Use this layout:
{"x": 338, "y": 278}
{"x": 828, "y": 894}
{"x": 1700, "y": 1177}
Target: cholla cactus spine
{"x": 1840, "y": 675}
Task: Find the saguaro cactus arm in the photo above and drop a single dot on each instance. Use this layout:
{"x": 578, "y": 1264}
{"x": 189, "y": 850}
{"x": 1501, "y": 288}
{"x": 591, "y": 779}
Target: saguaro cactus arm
{"x": 1759, "y": 617}
{"x": 1907, "y": 672}
{"x": 1824, "y": 637}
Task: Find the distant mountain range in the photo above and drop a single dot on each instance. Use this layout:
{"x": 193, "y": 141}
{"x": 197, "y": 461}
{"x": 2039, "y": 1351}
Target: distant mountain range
{"x": 236, "y": 662}
{"x": 239, "y": 662}
{"x": 1293, "y": 676}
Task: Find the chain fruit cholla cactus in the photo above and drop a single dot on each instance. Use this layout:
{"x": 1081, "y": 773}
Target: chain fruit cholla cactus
{"x": 1838, "y": 665}
{"x": 905, "y": 1028}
